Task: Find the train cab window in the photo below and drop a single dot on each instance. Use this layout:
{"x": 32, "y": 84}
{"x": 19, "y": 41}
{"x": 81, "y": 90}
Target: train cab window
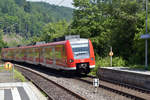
{"x": 81, "y": 50}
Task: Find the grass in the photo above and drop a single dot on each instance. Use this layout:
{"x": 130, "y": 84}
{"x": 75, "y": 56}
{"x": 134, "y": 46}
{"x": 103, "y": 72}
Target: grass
{"x": 117, "y": 62}
{"x": 1, "y": 68}
{"x": 17, "y": 74}
{"x": 44, "y": 93}
{"x": 140, "y": 67}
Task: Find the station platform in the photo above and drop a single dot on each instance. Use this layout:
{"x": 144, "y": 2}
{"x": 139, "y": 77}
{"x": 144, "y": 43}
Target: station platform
{"x": 140, "y": 78}
{"x": 20, "y": 91}
{"x": 144, "y": 72}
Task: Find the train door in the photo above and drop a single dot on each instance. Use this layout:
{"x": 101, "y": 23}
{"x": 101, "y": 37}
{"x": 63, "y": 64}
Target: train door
{"x": 44, "y": 57}
{"x": 36, "y": 55}
{"x": 54, "y": 57}
{"x": 41, "y": 55}
{"x": 26, "y": 55}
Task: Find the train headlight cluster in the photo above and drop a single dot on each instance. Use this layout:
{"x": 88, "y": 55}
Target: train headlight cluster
{"x": 71, "y": 60}
{"x": 92, "y": 58}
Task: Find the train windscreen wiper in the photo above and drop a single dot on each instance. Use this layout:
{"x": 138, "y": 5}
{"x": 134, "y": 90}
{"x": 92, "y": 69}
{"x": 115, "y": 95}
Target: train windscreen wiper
{"x": 80, "y": 54}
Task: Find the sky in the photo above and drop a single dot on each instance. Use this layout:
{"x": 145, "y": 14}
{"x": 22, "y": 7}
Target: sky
{"x": 66, "y": 3}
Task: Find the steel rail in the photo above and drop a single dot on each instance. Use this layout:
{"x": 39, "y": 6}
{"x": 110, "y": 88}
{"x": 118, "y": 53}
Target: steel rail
{"x": 69, "y": 91}
{"x": 122, "y": 84}
{"x": 116, "y": 90}
{"x": 140, "y": 89}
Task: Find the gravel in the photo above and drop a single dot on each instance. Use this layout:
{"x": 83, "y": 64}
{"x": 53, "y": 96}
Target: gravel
{"x": 84, "y": 89}
{"x": 51, "y": 89}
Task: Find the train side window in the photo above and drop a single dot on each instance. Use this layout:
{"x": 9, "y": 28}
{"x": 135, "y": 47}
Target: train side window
{"x": 51, "y": 53}
{"x": 21, "y": 53}
{"x": 18, "y": 53}
{"x": 41, "y": 52}
{"x": 36, "y": 52}
{"x": 30, "y": 52}
{"x": 26, "y": 53}
{"x": 48, "y": 54}
{"x": 64, "y": 52}
{"x": 58, "y": 52}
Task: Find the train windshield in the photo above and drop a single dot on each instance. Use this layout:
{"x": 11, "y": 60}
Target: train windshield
{"x": 80, "y": 50}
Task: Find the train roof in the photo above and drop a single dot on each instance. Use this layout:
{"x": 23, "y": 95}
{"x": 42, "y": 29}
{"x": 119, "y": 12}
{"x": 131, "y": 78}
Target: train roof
{"x": 48, "y": 44}
{"x": 41, "y": 45}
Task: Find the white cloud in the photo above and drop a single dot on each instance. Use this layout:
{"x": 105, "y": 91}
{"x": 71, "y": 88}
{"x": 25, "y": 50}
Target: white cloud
{"x": 66, "y": 3}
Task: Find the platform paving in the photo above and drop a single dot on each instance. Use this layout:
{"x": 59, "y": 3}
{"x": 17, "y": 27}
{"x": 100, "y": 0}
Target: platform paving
{"x": 136, "y": 77}
{"x": 14, "y": 89}
{"x": 20, "y": 91}
{"x": 145, "y": 72}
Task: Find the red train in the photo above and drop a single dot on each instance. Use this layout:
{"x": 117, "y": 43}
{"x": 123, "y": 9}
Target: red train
{"x": 73, "y": 54}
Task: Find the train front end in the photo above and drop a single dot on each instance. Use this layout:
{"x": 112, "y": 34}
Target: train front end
{"x": 80, "y": 55}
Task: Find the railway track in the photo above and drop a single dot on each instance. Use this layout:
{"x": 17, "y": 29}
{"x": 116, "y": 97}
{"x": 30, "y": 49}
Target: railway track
{"x": 82, "y": 88}
{"x": 53, "y": 90}
{"x": 127, "y": 90}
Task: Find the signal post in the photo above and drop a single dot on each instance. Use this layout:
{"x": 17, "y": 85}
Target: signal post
{"x": 9, "y": 66}
{"x": 111, "y": 54}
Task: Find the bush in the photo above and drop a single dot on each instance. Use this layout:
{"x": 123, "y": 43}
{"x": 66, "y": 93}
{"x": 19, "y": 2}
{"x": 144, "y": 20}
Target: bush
{"x": 118, "y": 61}
{"x": 139, "y": 67}
{"x": 105, "y": 62}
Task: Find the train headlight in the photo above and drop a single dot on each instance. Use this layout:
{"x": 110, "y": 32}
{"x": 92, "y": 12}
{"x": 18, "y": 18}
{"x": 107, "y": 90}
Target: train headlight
{"x": 71, "y": 60}
{"x": 92, "y": 58}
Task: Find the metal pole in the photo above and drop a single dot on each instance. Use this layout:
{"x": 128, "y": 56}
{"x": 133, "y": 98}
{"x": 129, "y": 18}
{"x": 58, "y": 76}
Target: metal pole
{"x": 146, "y": 16}
{"x": 111, "y": 57}
{"x": 146, "y": 58}
{"x": 13, "y": 73}
{"x": 146, "y": 46}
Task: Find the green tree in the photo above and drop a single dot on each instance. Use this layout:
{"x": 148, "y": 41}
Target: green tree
{"x": 110, "y": 23}
{"x": 27, "y": 7}
{"x": 2, "y": 43}
{"x": 54, "y": 30}
{"x": 29, "y": 16}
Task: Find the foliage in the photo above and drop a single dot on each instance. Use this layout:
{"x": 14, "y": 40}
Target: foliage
{"x": 139, "y": 67}
{"x": 138, "y": 55}
{"x": 117, "y": 23}
{"x": 2, "y": 43}
{"x": 13, "y": 40}
{"x": 54, "y": 30}
{"x": 27, "y": 18}
{"x": 105, "y": 62}
{"x": 19, "y": 76}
